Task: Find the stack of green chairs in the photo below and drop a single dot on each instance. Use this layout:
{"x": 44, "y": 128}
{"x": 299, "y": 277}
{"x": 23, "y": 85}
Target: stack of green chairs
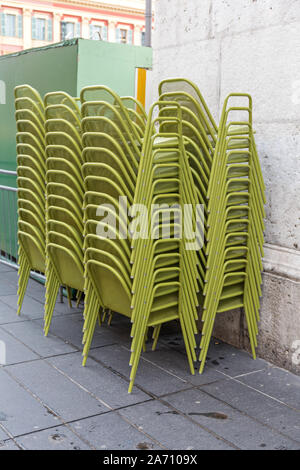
{"x": 165, "y": 273}
{"x": 200, "y": 134}
{"x": 31, "y": 169}
{"x": 117, "y": 164}
{"x": 65, "y": 191}
{"x": 235, "y": 224}
{"x": 155, "y": 217}
{"x": 111, "y": 154}
{"x": 203, "y": 144}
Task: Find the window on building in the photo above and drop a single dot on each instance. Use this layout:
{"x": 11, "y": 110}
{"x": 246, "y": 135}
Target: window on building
{"x": 11, "y": 25}
{"x": 143, "y": 38}
{"x": 95, "y": 31}
{"x": 40, "y": 31}
{"x": 41, "y": 28}
{"x": 70, "y": 30}
{"x": 98, "y": 31}
{"x": 123, "y": 36}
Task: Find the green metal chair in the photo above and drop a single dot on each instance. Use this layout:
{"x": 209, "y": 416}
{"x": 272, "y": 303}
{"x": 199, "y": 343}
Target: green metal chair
{"x": 111, "y": 151}
{"x": 65, "y": 191}
{"x": 235, "y": 233}
{"x": 30, "y": 115}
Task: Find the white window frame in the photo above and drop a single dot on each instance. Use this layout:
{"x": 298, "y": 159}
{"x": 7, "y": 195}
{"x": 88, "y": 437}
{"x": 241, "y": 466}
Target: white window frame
{"x": 40, "y": 18}
{"x": 100, "y": 25}
{"x": 75, "y": 22}
{"x": 13, "y": 12}
{"x": 127, "y": 28}
{"x": 46, "y": 17}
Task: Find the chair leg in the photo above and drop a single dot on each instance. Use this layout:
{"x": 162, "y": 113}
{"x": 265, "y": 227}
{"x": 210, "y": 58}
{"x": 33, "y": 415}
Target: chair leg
{"x": 79, "y": 296}
{"x": 24, "y": 273}
{"x": 52, "y": 288}
{"x": 69, "y": 293}
{"x": 156, "y": 336}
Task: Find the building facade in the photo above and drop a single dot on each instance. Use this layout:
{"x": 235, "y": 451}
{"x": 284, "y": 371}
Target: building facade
{"x": 35, "y": 23}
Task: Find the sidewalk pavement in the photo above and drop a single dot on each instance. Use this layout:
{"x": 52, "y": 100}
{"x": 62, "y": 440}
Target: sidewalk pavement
{"x": 49, "y": 401}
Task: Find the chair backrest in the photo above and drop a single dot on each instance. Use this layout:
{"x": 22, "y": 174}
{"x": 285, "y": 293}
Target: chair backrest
{"x": 33, "y": 251}
{"x": 28, "y": 149}
{"x": 64, "y": 240}
{"x": 63, "y": 177}
{"x": 61, "y": 98}
{"x": 24, "y": 182}
{"x": 27, "y": 91}
{"x": 66, "y": 203}
{"x": 28, "y": 103}
{"x": 62, "y": 111}
{"x": 33, "y": 219}
{"x": 65, "y": 229}
{"x": 67, "y": 265}
{"x": 61, "y": 125}
{"x": 65, "y": 191}
{"x": 61, "y": 151}
{"x": 24, "y": 125}
{"x": 28, "y": 138}
{"x": 64, "y": 215}
{"x": 110, "y": 286}
{"x": 64, "y": 165}
{"x": 27, "y": 114}
{"x": 61, "y": 138}
{"x": 29, "y": 161}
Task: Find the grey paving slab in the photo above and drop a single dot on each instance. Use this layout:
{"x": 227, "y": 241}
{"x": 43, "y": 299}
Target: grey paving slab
{"x": 31, "y": 333}
{"x": 240, "y": 400}
{"x": 277, "y": 383}
{"x": 3, "y": 435}
{"x": 6, "y": 286}
{"x": 66, "y": 327}
{"x": 69, "y": 327}
{"x": 31, "y": 308}
{"x": 170, "y": 335}
{"x": 110, "y": 431}
{"x": 35, "y": 289}
{"x": 172, "y": 430}
{"x": 109, "y": 387}
{"x": 62, "y": 395}
{"x": 4, "y": 268}
{"x": 10, "y": 276}
{"x": 152, "y": 378}
{"x": 119, "y": 329}
{"x": 172, "y": 342}
{"x": 20, "y": 412}
{"x": 8, "y": 445}
{"x": 59, "y": 438}
{"x": 118, "y": 333}
{"x": 257, "y": 405}
{"x": 228, "y": 423}
{"x": 8, "y": 314}
{"x": 64, "y": 309}
{"x": 15, "y": 351}
{"x": 232, "y": 361}
{"x": 177, "y": 364}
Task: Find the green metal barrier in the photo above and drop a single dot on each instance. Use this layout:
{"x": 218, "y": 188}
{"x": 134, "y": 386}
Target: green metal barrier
{"x": 8, "y": 224}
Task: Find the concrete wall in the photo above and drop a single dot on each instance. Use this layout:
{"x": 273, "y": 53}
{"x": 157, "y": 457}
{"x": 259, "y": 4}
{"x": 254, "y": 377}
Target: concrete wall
{"x": 250, "y": 46}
